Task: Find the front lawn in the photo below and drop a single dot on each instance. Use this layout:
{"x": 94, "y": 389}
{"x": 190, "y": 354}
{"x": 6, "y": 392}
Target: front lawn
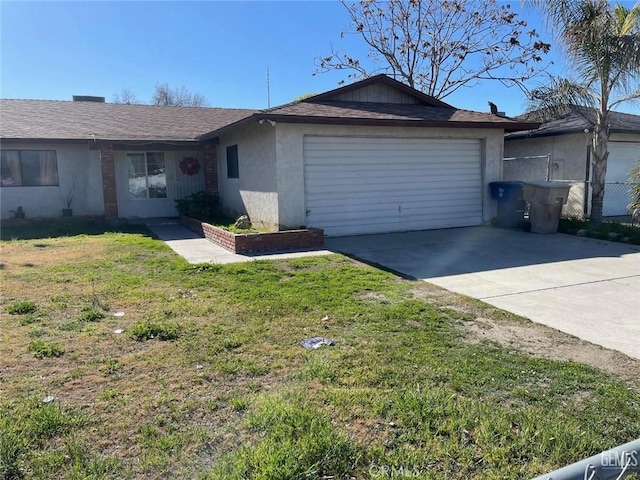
{"x": 203, "y": 376}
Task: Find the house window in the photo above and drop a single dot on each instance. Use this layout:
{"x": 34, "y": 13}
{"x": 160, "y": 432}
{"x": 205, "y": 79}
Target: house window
{"x": 232, "y": 162}
{"x": 28, "y": 168}
{"x": 147, "y": 175}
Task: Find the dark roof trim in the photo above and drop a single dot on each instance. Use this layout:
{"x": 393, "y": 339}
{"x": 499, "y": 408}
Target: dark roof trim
{"x": 165, "y": 145}
{"x": 304, "y": 119}
{"x": 507, "y": 126}
{"x": 146, "y": 146}
{"x": 532, "y": 133}
{"x": 45, "y": 140}
{"x": 423, "y": 97}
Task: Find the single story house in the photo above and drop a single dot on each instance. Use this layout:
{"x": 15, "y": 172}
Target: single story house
{"x": 373, "y": 156}
{"x": 564, "y": 140}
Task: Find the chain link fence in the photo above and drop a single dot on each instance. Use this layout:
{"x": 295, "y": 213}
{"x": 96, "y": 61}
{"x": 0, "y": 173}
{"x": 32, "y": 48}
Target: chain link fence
{"x": 617, "y": 195}
{"x": 617, "y": 200}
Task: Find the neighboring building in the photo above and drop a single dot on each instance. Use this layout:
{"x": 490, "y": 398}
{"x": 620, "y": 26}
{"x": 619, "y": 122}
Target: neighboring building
{"x": 565, "y": 140}
{"x": 374, "y": 156}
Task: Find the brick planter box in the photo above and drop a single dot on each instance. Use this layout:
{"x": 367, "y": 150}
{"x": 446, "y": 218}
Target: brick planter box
{"x": 243, "y": 243}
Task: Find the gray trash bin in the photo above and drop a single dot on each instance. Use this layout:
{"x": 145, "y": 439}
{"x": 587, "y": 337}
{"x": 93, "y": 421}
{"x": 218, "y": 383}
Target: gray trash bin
{"x": 545, "y": 204}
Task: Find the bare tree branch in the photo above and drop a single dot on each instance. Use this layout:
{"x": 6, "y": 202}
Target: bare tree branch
{"x": 126, "y": 96}
{"x": 440, "y": 46}
{"x": 164, "y": 96}
{"x": 177, "y": 97}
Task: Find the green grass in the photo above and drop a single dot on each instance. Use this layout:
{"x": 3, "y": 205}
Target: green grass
{"x": 161, "y": 330}
{"x": 602, "y": 231}
{"x": 91, "y": 314}
{"x": 22, "y": 308}
{"x": 403, "y": 393}
{"x": 40, "y": 349}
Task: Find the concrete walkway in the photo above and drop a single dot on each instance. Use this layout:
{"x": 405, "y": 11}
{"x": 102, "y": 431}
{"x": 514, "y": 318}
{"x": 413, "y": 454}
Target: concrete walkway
{"x": 196, "y": 249}
{"x": 585, "y": 287}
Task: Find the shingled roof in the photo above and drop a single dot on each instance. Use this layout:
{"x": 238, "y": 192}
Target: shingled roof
{"x": 85, "y": 120}
{"x": 575, "y": 120}
{"x": 63, "y": 120}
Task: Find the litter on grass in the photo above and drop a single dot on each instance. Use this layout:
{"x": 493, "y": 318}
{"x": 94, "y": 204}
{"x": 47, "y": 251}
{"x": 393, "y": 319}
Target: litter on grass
{"x": 118, "y": 314}
{"x": 47, "y": 399}
{"x": 315, "y": 342}
{"x": 119, "y": 330}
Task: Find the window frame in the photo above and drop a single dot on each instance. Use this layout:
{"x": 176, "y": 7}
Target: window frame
{"x": 233, "y": 162}
{"x": 146, "y": 176}
{"x": 20, "y": 151}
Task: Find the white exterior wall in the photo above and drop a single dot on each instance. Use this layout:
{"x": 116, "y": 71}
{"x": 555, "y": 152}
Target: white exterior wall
{"x": 75, "y": 161}
{"x": 255, "y": 192}
{"x": 290, "y": 165}
{"x": 569, "y": 152}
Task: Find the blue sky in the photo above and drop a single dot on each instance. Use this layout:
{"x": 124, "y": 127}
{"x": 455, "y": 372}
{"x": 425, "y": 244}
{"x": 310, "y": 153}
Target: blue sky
{"x": 53, "y": 50}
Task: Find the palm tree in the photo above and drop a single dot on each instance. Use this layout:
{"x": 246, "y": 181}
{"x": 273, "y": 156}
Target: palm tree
{"x": 602, "y": 44}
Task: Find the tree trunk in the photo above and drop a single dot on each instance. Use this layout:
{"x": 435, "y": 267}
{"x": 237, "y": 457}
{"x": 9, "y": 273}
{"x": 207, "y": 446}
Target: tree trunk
{"x": 599, "y": 155}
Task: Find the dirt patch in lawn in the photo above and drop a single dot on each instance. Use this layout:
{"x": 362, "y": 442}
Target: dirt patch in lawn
{"x": 511, "y": 331}
{"x": 545, "y": 342}
{"x": 47, "y": 252}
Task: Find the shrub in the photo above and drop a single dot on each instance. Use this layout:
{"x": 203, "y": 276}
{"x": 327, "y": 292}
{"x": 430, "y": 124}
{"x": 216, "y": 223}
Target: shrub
{"x": 200, "y": 205}
{"x": 23, "y": 307}
{"x": 41, "y": 349}
{"x": 161, "y": 330}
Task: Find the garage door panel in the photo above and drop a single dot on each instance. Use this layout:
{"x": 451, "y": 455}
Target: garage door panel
{"x": 430, "y": 218}
{"x": 363, "y": 174}
{"x": 380, "y": 189}
{"x": 368, "y": 185}
{"x": 439, "y": 182}
{"x": 395, "y": 200}
{"x": 623, "y": 156}
{"x": 385, "y": 178}
{"x": 395, "y": 157}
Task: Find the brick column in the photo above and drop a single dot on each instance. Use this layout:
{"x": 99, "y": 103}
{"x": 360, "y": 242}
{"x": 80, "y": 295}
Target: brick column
{"x": 108, "y": 181}
{"x": 210, "y": 154}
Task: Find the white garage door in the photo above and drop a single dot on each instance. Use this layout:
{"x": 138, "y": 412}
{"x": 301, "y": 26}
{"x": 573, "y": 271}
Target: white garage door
{"x": 622, "y": 157}
{"x": 357, "y": 185}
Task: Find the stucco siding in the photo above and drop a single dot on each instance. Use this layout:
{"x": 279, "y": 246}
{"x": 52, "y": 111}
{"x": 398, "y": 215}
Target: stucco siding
{"x": 568, "y": 153}
{"x": 625, "y": 137}
{"x": 255, "y": 192}
{"x": 290, "y": 155}
{"x": 74, "y": 162}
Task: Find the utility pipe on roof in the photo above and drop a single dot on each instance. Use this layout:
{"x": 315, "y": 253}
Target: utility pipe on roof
{"x": 610, "y": 465}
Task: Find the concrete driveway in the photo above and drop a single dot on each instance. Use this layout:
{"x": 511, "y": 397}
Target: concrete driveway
{"x": 585, "y": 287}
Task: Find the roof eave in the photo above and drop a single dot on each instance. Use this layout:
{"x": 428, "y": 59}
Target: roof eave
{"x": 212, "y": 135}
{"x": 306, "y": 119}
{"x": 519, "y": 135}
